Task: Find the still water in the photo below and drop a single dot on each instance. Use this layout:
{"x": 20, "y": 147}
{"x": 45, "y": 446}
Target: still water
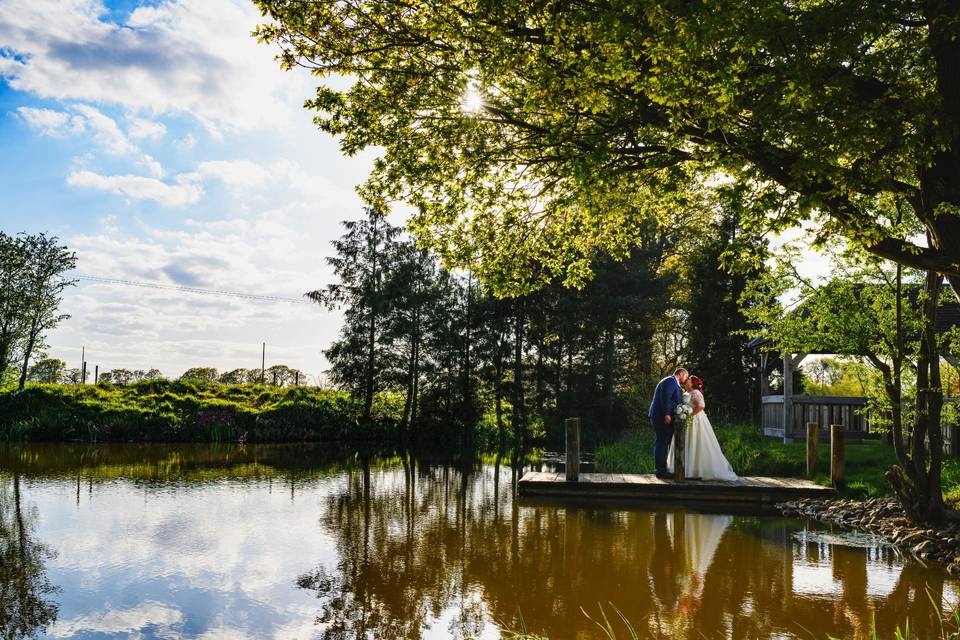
{"x": 300, "y": 542}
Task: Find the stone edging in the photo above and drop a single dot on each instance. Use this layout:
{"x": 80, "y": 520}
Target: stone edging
{"x": 884, "y": 518}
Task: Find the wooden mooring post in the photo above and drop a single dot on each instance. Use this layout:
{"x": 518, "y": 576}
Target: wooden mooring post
{"x": 837, "y": 460}
{"x": 573, "y": 449}
{"x": 679, "y": 455}
{"x": 813, "y": 437}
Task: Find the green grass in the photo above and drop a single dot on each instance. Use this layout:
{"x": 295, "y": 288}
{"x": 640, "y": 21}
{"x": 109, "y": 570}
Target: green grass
{"x": 753, "y": 455}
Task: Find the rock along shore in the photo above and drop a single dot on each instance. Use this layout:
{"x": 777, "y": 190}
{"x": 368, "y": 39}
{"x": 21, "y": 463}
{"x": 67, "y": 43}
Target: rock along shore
{"x": 884, "y": 518}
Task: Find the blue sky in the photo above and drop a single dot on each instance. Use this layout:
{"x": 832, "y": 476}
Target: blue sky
{"x": 163, "y": 144}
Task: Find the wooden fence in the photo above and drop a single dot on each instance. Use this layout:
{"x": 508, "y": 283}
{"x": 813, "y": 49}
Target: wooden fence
{"x": 848, "y": 411}
{"x": 950, "y": 426}
{"x": 824, "y": 410}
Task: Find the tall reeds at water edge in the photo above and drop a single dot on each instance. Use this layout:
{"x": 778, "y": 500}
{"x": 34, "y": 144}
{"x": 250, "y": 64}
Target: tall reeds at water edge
{"x": 616, "y": 626}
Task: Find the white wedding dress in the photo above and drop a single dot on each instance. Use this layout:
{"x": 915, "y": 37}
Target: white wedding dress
{"x": 703, "y": 457}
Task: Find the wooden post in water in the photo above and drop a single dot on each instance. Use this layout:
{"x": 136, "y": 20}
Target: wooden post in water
{"x": 573, "y": 449}
{"x": 813, "y": 437}
{"x": 837, "y": 461}
{"x": 679, "y": 456}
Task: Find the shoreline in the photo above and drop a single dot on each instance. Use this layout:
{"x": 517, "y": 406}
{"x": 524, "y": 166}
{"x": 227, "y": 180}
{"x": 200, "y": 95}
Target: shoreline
{"x": 884, "y": 518}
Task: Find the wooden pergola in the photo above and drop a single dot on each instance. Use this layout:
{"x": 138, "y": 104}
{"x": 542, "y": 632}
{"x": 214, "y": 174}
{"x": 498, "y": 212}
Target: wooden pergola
{"x": 786, "y": 415}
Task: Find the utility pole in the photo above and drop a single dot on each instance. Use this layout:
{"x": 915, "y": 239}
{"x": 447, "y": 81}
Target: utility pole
{"x": 263, "y": 363}
{"x": 83, "y": 365}
{"x": 96, "y": 373}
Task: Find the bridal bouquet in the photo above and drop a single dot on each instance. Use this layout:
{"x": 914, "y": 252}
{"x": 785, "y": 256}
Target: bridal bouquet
{"x": 684, "y": 409}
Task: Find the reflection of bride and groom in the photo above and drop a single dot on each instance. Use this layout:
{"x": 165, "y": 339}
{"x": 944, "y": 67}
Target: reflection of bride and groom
{"x": 684, "y": 547}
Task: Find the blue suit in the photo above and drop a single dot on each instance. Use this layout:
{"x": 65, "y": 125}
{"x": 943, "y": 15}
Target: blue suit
{"x": 665, "y": 399}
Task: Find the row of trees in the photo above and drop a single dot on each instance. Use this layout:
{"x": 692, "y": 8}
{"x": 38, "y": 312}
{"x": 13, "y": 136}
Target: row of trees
{"x": 460, "y": 354}
{"x": 32, "y": 280}
{"x": 278, "y": 375}
{"x": 55, "y": 371}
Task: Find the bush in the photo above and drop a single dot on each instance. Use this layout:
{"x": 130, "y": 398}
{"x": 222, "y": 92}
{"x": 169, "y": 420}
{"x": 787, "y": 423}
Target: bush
{"x": 190, "y": 410}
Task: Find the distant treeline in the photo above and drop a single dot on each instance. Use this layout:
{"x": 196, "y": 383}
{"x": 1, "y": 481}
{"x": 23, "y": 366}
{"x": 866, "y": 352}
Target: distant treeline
{"x": 56, "y": 371}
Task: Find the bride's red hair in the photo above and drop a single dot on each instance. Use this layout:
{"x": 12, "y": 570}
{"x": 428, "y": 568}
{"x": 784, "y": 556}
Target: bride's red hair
{"x": 697, "y": 383}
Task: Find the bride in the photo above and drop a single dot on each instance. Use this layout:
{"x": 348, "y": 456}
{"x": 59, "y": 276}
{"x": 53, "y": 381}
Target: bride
{"x": 703, "y": 457}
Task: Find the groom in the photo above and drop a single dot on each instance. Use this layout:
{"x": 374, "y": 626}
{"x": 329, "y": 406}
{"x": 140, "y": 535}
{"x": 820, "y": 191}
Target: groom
{"x": 665, "y": 399}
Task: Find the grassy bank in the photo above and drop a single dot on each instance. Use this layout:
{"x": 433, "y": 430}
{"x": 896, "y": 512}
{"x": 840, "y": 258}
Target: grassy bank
{"x": 191, "y": 411}
{"x": 753, "y": 455}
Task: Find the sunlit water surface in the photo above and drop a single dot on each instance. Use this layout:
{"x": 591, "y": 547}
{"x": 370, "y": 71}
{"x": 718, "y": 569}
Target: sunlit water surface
{"x": 298, "y": 542}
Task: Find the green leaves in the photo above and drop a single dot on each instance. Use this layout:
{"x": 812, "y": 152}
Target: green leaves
{"x": 597, "y": 118}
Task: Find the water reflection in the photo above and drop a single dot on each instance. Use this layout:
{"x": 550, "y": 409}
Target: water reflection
{"x": 290, "y": 542}
{"x": 449, "y": 537}
{"x": 26, "y": 605}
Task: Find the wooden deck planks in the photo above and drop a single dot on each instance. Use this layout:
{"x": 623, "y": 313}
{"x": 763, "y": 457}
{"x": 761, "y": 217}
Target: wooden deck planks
{"x": 648, "y": 487}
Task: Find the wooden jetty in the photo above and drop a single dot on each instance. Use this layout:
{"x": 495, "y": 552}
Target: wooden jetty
{"x": 648, "y": 488}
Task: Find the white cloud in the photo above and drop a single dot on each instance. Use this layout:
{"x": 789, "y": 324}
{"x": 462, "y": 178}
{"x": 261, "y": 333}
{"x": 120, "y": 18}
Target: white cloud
{"x": 116, "y": 621}
{"x": 149, "y": 129}
{"x": 191, "y": 57}
{"x": 185, "y": 190}
{"x": 105, "y": 131}
{"x": 241, "y": 174}
{"x": 50, "y": 122}
{"x": 225, "y": 633}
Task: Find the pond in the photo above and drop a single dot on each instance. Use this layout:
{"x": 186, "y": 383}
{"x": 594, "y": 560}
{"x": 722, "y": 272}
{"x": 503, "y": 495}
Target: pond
{"x": 201, "y": 541}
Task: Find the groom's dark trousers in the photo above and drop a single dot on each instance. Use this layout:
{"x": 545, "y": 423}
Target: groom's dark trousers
{"x": 661, "y": 443}
{"x": 666, "y": 397}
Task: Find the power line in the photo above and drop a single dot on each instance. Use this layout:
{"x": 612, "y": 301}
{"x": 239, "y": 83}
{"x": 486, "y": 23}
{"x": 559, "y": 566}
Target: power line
{"x": 185, "y": 289}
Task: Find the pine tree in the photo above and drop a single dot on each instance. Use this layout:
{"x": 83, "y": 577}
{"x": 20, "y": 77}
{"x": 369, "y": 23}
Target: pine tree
{"x": 365, "y": 256}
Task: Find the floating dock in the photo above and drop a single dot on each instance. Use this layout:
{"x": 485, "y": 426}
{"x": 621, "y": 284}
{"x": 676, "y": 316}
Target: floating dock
{"x": 649, "y": 488}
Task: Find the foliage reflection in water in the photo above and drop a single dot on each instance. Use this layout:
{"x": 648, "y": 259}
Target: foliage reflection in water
{"x": 301, "y": 542}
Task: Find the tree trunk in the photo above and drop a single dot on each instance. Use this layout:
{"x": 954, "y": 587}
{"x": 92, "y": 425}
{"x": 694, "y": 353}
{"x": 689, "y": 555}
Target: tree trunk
{"x": 519, "y": 414}
{"x": 27, "y": 352}
{"x": 916, "y": 483}
{"x": 538, "y": 373}
{"x": 374, "y": 246}
{"x": 468, "y": 416}
{"x": 405, "y": 421}
{"x": 498, "y": 388}
{"x": 609, "y": 373}
{"x": 415, "y": 400}
{"x": 569, "y": 376}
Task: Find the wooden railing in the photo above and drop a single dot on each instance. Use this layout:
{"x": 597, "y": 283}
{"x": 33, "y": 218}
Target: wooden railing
{"x": 949, "y": 426}
{"x": 824, "y": 410}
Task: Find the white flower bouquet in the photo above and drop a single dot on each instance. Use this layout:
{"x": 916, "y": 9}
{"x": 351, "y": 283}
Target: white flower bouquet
{"x": 684, "y": 409}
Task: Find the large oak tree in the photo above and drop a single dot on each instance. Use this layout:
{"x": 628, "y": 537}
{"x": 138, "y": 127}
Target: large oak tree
{"x": 527, "y": 132}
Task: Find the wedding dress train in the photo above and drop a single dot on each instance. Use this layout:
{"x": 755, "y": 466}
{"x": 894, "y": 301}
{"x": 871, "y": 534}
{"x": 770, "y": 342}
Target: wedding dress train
{"x": 703, "y": 457}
